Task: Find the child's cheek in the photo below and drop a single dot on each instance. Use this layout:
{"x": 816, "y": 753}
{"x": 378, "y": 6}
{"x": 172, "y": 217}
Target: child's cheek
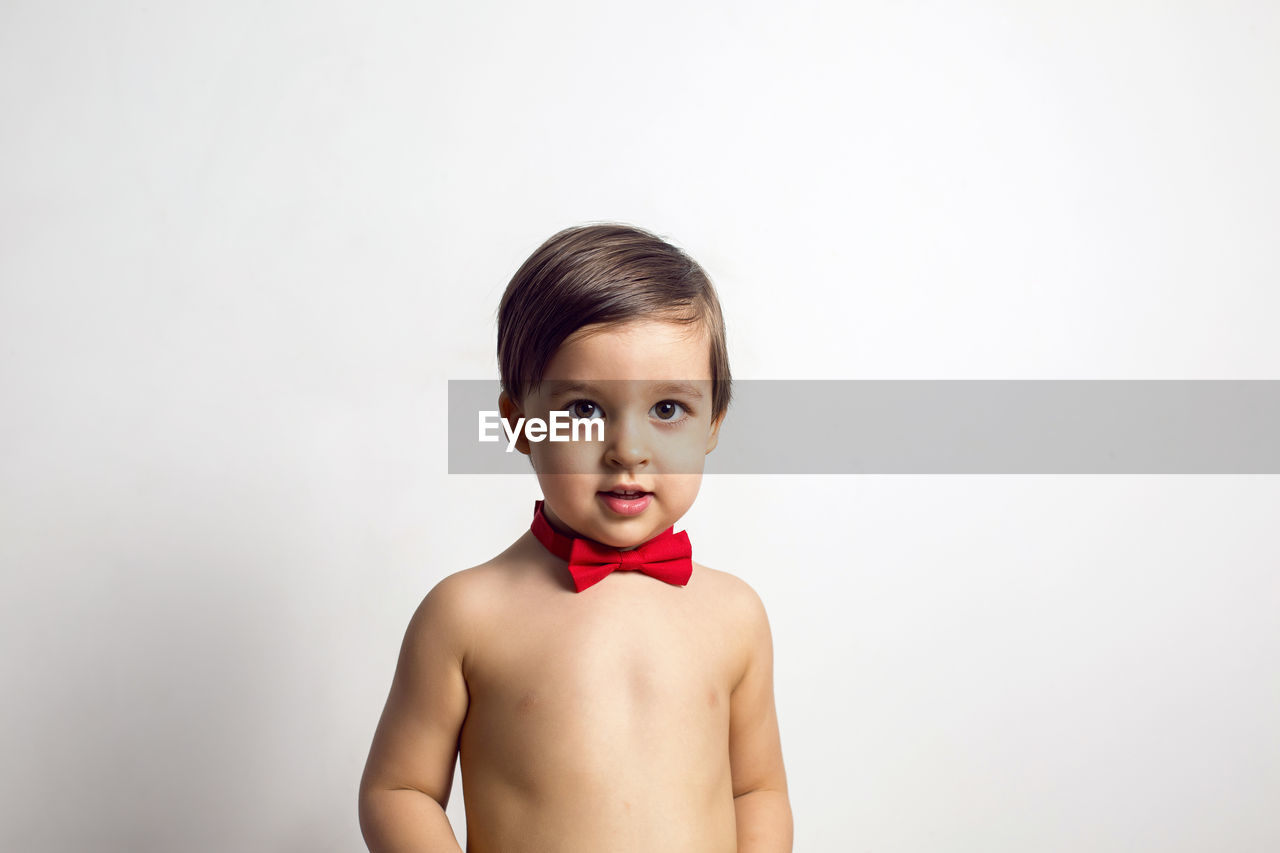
{"x": 679, "y": 491}
{"x": 566, "y": 457}
{"x": 684, "y": 453}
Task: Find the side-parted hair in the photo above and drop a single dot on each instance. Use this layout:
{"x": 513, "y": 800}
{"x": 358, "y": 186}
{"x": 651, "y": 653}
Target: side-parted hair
{"x": 605, "y": 274}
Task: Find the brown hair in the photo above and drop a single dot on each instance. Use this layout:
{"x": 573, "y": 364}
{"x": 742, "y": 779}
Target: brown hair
{"x": 606, "y": 273}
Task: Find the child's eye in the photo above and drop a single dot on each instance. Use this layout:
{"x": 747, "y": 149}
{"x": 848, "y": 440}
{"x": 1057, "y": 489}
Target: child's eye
{"x": 668, "y": 410}
{"x": 584, "y": 409}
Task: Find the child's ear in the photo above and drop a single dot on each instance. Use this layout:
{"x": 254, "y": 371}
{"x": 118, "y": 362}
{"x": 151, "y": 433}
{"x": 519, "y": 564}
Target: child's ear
{"x": 714, "y": 438}
{"x": 511, "y": 412}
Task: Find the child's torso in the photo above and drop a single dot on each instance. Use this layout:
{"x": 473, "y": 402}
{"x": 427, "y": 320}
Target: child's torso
{"x": 599, "y": 720}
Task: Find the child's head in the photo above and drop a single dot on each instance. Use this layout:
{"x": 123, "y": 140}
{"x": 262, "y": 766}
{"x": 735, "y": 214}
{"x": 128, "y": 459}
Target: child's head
{"x": 613, "y": 323}
{"x": 603, "y": 275}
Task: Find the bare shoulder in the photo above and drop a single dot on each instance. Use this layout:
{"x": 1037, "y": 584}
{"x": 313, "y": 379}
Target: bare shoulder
{"x": 741, "y": 613}
{"x": 455, "y": 610}
{"x": 734, "y": 597}
{"x": 745, "y": 621}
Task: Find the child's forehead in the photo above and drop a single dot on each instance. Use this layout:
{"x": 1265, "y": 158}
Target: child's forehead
{"x": 638, "y": 350}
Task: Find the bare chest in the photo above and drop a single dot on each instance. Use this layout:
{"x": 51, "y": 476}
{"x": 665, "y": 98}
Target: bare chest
{"x": 628, "y": 643}
{"x": 628, "y": 671}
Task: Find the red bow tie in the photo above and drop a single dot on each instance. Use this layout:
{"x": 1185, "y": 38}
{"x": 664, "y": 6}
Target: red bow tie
{"x": 667, "y": 556}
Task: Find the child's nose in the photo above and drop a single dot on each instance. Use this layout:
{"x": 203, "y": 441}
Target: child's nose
{"x": 624, "y": 444}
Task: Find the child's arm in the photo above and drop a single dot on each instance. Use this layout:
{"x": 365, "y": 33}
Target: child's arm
{"x": 410, "y": 768}
{"x": 755, "y": 751}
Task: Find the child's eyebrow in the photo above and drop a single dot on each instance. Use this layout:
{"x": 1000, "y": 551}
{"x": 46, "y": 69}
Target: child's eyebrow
{"x": 686, "y": 389}
{"x": 562, "y": 387}
{"x": 683, "y": 388}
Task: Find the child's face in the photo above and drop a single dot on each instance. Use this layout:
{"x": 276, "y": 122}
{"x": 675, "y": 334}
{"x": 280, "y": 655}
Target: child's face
{"x": 629, "y": 375}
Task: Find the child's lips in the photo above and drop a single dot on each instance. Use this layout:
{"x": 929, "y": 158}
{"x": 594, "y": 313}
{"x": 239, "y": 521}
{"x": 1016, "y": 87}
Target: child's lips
{"x": 626, "y": 504}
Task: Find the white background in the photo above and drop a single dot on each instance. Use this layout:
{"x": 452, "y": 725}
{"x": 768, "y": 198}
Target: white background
{"x": 243, "y": 246}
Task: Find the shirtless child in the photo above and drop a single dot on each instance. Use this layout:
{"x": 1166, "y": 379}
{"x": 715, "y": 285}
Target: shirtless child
{"x": 597, "y": 704}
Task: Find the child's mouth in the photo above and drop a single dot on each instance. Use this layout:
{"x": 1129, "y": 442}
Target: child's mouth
{"x": 626, "y": 501}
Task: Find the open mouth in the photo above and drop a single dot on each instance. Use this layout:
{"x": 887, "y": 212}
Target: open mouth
{"x": 626, "y": 501}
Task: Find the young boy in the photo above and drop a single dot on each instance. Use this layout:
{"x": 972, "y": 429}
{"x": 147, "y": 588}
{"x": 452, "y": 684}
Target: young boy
{"x": 605, "y": 693}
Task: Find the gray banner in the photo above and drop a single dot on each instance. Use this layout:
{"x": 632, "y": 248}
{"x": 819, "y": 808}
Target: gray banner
{"x": 957, "y": 427}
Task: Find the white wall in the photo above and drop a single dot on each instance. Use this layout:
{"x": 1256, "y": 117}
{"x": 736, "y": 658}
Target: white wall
{"x": 243, "y": 246}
